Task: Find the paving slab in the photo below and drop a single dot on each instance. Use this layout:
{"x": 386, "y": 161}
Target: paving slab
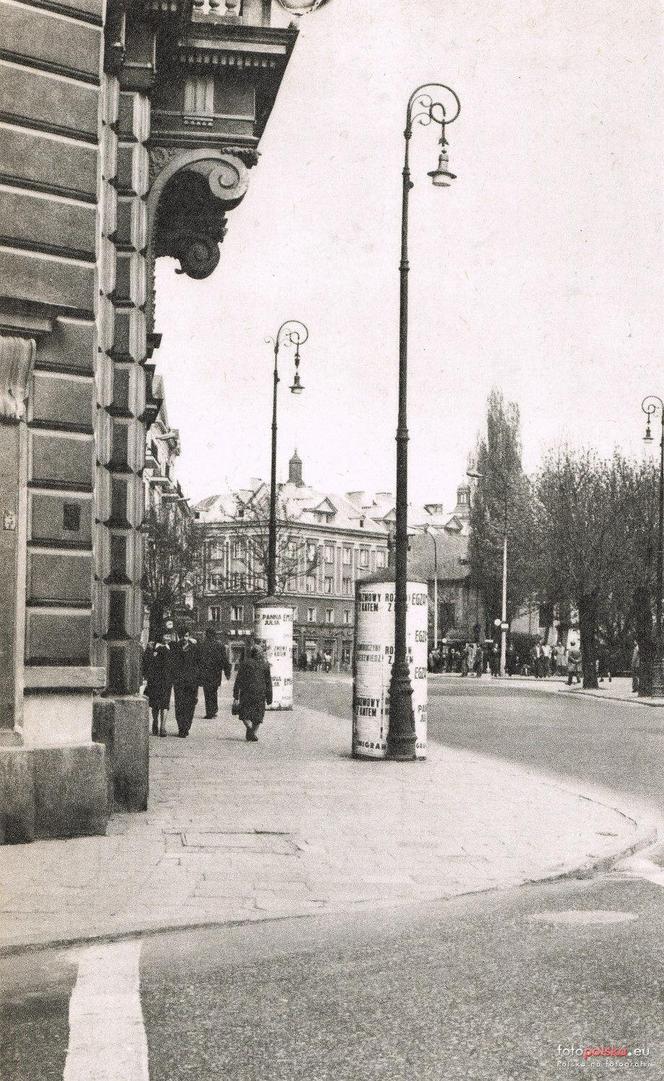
{"x": 294, "y": 826}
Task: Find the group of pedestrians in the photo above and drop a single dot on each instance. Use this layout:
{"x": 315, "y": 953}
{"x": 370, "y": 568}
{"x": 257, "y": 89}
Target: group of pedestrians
{"x": 179, "y": 667}
{"x": 540, "y": 660}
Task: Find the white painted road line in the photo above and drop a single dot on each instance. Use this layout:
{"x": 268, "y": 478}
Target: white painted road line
{"x": 107, "y": 1040}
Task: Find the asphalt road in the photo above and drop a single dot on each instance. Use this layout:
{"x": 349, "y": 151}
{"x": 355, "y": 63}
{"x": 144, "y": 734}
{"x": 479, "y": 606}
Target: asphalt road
{"x": 493, "y": 987}
{"x": 618, "y": 745}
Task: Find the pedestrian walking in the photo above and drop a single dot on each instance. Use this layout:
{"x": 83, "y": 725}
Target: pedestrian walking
{"x": 214, "y": 664}
{"x": 635, "y": 667}
{"x": 511, "y": 661}
{"x": 467, "y": 658}
{"x": 158, "y": 671}
{"x": 494, "y": 660}
{"x": 573, "y": 665}
{"x": 478, "y": 666}
{"x": 186, "y": 680}
{"x": 253, "y": 691}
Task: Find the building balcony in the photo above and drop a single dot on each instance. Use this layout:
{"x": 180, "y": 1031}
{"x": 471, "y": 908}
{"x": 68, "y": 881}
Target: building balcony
{"x": 245, "y": 12}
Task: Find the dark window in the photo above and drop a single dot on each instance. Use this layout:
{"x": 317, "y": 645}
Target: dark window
{"x": 71, "y": 517}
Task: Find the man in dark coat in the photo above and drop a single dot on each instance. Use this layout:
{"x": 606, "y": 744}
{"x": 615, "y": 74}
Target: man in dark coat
{"x": 253, "y": 688}
{"x": 214, "y": 664}
{"x": 186, "y": 672}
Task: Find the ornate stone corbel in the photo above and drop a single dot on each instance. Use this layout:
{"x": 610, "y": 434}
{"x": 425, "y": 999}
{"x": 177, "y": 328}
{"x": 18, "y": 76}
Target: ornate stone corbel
{"x": 193, "y": 200}
{"x": 17, "y": 358}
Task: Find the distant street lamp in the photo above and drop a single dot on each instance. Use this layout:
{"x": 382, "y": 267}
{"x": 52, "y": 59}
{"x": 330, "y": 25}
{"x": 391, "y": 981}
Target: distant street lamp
{"x": 292, "y": 332}
{"x": 424, "y": 108}
{"x": 435, "y": 585}
{"x": 502, "y": 622}
{"x": 651, "y": 405}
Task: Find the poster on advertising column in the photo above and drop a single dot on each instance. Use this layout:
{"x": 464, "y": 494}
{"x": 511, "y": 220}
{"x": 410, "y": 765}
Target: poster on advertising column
{"x": 372, "y": 669}
{"x": 274, "y": 633}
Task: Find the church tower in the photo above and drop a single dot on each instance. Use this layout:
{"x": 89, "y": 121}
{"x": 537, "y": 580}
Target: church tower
{"x": 295, "y": 471}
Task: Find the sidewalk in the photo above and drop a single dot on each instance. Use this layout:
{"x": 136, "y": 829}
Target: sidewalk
{"x": 292, "y": 826}
{"x": 618, "y": 690}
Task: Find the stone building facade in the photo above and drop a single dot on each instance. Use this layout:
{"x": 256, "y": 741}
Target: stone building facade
{"x": 128, "y": 133}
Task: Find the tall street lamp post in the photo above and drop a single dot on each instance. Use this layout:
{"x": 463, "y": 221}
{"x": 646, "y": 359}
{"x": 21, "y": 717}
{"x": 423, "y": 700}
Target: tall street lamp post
{"x": 292, "y": 332}
{"x": 435, "y": 586}
{"x": 425, "y": 109}
{"x": 651, "y": 405}
{"x": 503, "y": 606}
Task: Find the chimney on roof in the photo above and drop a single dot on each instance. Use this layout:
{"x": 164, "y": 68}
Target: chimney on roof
{"x": 295, "y": 471}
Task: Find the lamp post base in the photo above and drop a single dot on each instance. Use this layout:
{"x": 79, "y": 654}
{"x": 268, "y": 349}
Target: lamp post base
{"x": 401, "y": 733}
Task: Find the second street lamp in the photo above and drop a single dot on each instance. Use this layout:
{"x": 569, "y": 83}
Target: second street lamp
{"x": 651, "y": 405}
{"x": 425, "y": 109}
{"x": 502, "y": 622}
{"x": 292, "y": 332}
{"x": 435, "y": 585}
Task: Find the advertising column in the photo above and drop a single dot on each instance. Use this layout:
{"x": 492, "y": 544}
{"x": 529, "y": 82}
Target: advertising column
{"x": 372, "y": 666}
{"x": 274, "y": 634}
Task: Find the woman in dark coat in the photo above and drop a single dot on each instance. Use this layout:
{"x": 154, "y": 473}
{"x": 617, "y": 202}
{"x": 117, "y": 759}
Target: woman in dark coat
{"x": 158, "y": 671}
{"x": 253, "y": 688}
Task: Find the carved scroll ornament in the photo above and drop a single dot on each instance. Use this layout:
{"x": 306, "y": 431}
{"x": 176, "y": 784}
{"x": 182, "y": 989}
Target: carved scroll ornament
{"x": 191, "y": 212}
{"x": 17, "y": 358}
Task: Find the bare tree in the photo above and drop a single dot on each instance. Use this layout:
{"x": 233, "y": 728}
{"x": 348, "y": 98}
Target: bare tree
{"x": 172, "y": 557}
{"x": 294, "y": 554}
{"x": 595, "y": 542}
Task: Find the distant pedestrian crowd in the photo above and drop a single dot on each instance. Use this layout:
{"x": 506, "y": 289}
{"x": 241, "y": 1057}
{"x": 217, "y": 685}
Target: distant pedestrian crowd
{"x": 176, "y": 665}
{"x": 540, "y": 660}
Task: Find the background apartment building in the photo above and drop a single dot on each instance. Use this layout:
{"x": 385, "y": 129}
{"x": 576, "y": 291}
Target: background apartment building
{"x": 326, "y": 542}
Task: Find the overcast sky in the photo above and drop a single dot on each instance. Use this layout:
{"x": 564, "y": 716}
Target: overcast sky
{"x": 540, "y": 271}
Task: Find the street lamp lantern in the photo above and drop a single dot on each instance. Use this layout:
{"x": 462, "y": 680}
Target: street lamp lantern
{"x": 291, "y": 332}
{"x": 441, "y": 177}
{"x": 430, "y": 103}
{"x": 648, "y": 436}
{"x": 297, "y": 387}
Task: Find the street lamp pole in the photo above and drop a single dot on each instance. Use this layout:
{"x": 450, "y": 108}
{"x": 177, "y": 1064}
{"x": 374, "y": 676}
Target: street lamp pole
{"x": 435, "y": 586}
{"x": 424, "y": 108}
{"x": 503, "y": 604}
{"x": 650, "y": 405}
{"x": 503, "y": 608}
{"x": 292, "y": 332}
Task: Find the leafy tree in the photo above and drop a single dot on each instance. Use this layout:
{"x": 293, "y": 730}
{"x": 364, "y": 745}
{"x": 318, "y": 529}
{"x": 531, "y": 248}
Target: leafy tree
{"x": 172, "y": 560}
{"x": 502, "y": 503}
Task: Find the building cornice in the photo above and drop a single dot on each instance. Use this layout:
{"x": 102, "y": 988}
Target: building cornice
{"x": 233, "y": 526}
